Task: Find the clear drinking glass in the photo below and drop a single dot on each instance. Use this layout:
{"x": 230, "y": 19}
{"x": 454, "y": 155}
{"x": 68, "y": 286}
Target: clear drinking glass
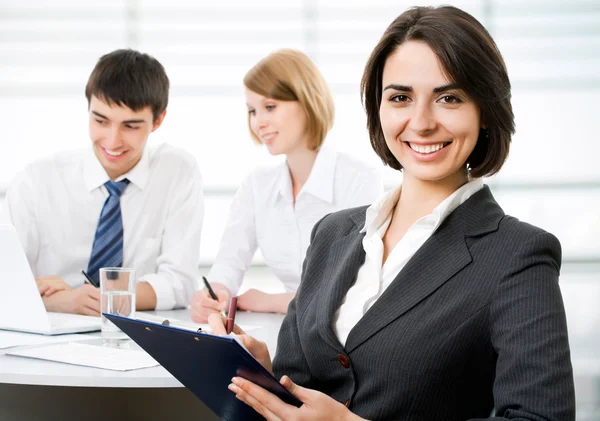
{"x": 117, "y": 296}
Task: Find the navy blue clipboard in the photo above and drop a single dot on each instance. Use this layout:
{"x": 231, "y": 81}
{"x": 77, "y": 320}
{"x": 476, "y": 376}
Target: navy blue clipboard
{"x": 205, "y": 364}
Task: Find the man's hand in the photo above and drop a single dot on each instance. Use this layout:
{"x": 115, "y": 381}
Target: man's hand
{"x": 83, "y": 300}
{"x": 202, "y": 305}
{"x": 48, "y": 285}
{"x": 145, "y": 296}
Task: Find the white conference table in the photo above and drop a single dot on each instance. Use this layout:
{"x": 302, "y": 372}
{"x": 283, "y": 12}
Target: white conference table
{"x": 33, "y": 389}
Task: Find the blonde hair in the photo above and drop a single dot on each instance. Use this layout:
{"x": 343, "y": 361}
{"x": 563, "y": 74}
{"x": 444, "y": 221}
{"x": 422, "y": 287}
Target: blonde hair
{"x": 290, "y": 75}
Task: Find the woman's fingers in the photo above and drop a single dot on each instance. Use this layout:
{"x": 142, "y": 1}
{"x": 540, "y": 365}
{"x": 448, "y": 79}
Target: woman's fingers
{"x": 217, "y": 324}
{"x": 262, "y": 401}
{"x": 238, "y": 331}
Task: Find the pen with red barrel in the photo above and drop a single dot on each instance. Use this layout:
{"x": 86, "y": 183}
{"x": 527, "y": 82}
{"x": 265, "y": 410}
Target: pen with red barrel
{"x": 231, "y": 315}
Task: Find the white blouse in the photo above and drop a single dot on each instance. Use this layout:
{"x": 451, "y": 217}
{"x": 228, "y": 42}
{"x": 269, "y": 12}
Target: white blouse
{"x": 263, "y": 215}
{"x": 373, "y": 279}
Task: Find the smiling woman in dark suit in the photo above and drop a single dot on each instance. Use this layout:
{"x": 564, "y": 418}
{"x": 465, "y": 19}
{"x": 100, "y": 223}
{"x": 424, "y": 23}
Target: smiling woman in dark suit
{"x": 431, "y": 304}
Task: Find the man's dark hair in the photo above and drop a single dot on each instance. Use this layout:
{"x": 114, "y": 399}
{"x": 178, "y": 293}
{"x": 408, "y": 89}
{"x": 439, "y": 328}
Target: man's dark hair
{"x": 128, "y": 77}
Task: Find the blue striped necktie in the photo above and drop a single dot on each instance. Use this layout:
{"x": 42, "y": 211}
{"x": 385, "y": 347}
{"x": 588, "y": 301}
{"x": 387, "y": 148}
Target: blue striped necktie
{"x": 107, "y": 250}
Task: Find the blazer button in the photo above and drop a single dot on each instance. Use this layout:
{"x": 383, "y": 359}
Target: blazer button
{"x": 343, "y": 360}
{"x": 347, "y": 403}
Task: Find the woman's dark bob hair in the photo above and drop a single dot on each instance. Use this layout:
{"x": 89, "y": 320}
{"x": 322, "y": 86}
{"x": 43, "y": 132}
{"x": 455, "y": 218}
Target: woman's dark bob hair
{"x": 470, "y": 58}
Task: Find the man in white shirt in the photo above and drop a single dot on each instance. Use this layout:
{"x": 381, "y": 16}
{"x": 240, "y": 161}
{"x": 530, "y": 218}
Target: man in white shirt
{"x": 117, "y": 203}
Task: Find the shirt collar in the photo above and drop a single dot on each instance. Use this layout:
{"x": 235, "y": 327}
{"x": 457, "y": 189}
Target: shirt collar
{"x": 139, "y": 174}
{"x": 95, "y": 176}
{"x": 322, "y": 176}
{"x": 441, "y": 211}
{"x": 285, "y": 183}
{"x": 380, "y": 211}
{"x": 321, "y": 180}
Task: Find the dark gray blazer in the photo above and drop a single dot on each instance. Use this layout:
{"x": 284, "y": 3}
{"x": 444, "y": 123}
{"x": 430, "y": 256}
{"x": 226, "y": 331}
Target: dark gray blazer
{"x": 474, "y": 321}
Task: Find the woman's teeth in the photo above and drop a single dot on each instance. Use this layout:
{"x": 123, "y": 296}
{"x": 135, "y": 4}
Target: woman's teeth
{"x": 426, "y": 148}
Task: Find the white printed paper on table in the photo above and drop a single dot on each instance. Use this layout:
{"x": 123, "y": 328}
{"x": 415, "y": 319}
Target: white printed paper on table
{"x": 90, "y": 356}
{"x": 9, "y": 339}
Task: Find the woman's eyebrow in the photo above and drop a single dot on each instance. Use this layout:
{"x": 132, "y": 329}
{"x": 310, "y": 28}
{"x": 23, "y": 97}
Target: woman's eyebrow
{"x": 395, "y": 87}
{"x": 444, "y": 88}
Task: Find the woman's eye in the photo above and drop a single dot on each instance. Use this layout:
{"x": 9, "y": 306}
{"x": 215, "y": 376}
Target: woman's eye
{"x": 251, "y": 112}
{"x": 450, "y": 99}
{"x": 270, "y": 107}
{"x": 399, "y": 98}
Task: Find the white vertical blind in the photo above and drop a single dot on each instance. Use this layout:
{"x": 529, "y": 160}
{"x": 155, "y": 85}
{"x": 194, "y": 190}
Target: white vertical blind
{"x": 552, "y": 50}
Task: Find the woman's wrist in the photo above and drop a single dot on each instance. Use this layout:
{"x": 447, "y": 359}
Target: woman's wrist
{"x": 273, "y": 303}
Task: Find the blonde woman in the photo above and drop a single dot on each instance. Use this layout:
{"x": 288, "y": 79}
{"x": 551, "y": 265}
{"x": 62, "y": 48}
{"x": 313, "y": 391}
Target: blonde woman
{"x": 290, "y": 111}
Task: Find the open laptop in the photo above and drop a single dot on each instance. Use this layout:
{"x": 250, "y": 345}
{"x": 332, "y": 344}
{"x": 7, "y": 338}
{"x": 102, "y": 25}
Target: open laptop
{"x": 21, "y": 306}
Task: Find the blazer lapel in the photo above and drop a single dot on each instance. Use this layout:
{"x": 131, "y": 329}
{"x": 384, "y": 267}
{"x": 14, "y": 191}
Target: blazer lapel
{"x": 443, "y": 255}
{"x": 346, "y": 258}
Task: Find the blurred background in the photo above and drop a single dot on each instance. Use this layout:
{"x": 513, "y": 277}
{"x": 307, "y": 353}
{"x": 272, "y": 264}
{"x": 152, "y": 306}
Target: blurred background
{"x": 552, "y": 50}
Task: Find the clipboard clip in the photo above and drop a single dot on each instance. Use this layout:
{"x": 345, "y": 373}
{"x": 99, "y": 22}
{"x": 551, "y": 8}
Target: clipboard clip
{"x": 166, "y": 322}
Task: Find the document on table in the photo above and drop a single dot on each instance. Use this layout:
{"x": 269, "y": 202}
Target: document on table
{"x": 187, "y": 325}
{"x": 91, "y": 356}
{"x": 9, "y": 339}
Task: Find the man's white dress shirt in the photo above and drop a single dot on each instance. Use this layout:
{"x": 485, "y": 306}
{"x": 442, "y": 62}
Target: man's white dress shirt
{"x": 263, "y": 215}
{"x": 55, "y": 205}
{"x": 373, "y": 279}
